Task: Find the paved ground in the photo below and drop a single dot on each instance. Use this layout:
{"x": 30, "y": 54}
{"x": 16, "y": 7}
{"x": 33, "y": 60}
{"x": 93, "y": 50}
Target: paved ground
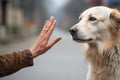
{"x": 65, "y": 61}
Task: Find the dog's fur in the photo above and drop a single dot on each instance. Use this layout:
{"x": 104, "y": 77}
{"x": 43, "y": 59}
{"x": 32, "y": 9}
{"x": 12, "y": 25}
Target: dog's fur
{"x": 99, "y": 30}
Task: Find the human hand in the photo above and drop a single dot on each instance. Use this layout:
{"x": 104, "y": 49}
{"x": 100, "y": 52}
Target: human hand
{"x": 42, "y": 45}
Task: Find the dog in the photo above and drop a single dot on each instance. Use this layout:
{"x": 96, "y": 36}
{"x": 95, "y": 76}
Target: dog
{"x": 99, "y": 31}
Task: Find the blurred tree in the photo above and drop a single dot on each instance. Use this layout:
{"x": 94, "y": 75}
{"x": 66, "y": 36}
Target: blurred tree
{"x": 34, "y": 11}
{"x": 4, "y": 8}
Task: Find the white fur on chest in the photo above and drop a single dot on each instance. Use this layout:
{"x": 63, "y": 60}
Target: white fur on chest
{"x": 106, "y": 69}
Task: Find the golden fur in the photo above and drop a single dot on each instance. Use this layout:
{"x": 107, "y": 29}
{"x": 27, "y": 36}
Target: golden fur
{"x": 104, "y": 56}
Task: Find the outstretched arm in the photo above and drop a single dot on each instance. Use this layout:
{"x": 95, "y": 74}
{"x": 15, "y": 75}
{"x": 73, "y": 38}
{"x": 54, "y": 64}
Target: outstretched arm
{"x": 11, "y": 63}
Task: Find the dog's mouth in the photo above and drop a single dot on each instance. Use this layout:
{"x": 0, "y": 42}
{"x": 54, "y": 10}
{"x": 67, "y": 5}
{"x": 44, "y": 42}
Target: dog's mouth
{"x": 82, "y": 40}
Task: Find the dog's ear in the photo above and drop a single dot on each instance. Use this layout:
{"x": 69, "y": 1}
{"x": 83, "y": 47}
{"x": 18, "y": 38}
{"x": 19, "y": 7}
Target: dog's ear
{"x": 115, "y": 16}
{"x": 115, "y": 20}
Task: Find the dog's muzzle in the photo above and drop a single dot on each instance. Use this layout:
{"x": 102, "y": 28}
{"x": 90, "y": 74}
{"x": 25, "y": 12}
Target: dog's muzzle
{"x": 73, "y": 31}
{"x": 79, "y": 38}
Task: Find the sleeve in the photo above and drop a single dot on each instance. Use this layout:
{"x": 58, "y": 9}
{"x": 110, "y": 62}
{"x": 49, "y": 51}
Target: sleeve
{"x": 11, "y": 63}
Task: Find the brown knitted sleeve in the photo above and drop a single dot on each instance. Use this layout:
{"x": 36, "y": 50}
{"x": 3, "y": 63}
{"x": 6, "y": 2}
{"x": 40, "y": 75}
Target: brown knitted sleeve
{"x": 10, "y": 63}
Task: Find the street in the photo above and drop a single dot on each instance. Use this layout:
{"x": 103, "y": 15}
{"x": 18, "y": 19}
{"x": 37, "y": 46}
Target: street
{"x": 65, "y": 61}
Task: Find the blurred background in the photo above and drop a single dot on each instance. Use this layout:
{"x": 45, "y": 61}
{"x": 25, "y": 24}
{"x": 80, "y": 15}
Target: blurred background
{"x": 21, "y": 22}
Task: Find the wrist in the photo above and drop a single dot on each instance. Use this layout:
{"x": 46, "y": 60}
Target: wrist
{"x": 32, "y": 53}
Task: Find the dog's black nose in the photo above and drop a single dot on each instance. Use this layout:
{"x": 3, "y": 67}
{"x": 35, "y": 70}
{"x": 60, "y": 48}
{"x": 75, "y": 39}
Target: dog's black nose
{"x": 73, "y": 31}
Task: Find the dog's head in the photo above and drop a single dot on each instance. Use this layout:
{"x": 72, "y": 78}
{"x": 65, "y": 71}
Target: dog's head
{"x": 96, "y": 24}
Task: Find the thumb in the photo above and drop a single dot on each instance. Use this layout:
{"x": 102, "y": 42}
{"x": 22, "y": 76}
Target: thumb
{"x": 53, "y": 42}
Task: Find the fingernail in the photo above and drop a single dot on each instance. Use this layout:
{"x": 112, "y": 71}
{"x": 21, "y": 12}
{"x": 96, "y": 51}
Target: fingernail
{"x": 51, "y": 17}
{"x": 55, "y": 21}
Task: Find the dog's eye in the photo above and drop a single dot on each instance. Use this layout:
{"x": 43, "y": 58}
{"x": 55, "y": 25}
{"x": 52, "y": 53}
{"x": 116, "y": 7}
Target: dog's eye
{"x": 92, "y": 19}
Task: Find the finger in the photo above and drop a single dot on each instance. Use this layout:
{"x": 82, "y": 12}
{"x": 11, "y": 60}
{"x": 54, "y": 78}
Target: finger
{"x": 53, "y": 42}
{"x": 51, "y": 18}
{"x": 47, "y": 26}
{"x": 50, "y": 21}
{"x": 48, "y": 34}
{"x": 45, "y": 35}
{"x": 44, "y": 30}
{"x": 46, "y": 23}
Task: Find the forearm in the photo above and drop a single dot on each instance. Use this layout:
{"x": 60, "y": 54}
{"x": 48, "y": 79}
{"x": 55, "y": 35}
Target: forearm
{"x": 10, "y": 63}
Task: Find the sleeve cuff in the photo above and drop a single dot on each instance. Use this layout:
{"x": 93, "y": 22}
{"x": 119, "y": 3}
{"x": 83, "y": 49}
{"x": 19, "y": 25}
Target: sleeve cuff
{"x": 28, "y": 60}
